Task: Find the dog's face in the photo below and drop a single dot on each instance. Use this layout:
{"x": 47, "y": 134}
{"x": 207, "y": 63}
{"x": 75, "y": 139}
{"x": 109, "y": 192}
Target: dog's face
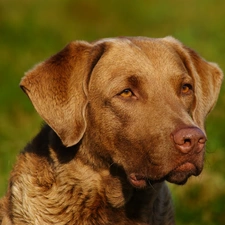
{"x": 133, "y": 100}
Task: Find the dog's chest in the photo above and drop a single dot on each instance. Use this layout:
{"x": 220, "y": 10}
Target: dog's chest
{"x": 67, "y": 204}
{"x": 74, "y": 194}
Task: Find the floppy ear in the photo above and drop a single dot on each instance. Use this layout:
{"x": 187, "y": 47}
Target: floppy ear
{"x": 57, "y": 89}
{"x": 207, "y": 80}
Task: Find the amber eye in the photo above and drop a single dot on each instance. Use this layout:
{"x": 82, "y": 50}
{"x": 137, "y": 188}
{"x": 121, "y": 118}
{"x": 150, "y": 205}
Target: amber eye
{"x": 186, "y": 88}
{"x": 126, "y": 93}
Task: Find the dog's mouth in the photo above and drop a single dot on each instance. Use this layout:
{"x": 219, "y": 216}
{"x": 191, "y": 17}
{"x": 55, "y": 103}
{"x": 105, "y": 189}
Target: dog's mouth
{"x": 179, "y": 175}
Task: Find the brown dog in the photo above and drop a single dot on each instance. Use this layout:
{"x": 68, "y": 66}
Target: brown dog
{"x": 123, "y": 116}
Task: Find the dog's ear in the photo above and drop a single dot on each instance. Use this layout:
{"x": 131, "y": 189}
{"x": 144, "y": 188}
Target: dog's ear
{"x": 207, "y": 78}
{"x": 57, "y": 88}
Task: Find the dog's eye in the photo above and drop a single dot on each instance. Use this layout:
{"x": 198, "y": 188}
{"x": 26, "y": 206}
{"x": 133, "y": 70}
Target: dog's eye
{"x": 186, "y": 88}
{"x": 127, "y": 93}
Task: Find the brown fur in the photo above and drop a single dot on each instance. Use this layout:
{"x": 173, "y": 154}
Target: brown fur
{"x": 105, "y": 154}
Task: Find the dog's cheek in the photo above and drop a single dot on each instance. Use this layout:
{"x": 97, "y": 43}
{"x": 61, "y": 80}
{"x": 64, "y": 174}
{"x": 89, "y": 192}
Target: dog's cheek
{"x": 102, "y": 126}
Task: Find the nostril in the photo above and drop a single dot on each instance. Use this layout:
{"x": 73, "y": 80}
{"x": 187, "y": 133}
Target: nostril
{"x": 202, "y": 140}
{"x": 187, "y": 141}
{"x": 182, "y": 137}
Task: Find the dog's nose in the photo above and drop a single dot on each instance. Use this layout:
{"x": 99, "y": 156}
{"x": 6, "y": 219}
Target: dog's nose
{"x": 190, "y": 139}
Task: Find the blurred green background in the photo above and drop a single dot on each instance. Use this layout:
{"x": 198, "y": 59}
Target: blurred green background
{"x": 33, "y": 30}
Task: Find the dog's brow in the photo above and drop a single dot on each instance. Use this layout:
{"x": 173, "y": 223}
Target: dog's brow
{"x": 134, "y": 80}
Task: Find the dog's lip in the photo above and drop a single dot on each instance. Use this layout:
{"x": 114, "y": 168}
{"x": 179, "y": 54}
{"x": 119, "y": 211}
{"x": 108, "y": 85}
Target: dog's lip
{"x": 187, "y": 166}
{"x": 137, "y": 180}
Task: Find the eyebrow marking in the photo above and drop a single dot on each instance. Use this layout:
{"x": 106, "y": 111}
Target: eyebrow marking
{"x": 134, "y": 81}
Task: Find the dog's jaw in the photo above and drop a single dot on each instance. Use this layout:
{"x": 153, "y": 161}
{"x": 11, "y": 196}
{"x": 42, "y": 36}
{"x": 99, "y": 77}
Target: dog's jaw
{"x": 178, "y": 175}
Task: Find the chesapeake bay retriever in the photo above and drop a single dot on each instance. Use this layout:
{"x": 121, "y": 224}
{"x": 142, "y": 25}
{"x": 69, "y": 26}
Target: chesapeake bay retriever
{"x": 122, "y": 116}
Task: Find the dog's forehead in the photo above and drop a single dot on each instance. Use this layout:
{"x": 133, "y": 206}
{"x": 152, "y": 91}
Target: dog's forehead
{"x": 138, "y": 56}
{"x": 150, "y": 46}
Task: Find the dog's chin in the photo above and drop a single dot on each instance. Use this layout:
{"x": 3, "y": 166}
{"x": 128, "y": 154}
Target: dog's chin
{"x": 179, "y": 176}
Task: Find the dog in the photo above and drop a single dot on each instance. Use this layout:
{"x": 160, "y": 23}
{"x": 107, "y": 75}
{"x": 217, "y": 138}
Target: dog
{"x": 122, "y": 117}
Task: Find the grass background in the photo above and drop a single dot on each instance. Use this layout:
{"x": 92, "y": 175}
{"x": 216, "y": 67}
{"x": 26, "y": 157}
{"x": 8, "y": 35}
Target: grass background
{"x": 32, "y": 30}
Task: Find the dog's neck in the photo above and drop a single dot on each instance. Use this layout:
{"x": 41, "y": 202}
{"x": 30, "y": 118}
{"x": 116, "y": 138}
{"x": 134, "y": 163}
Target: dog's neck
{"x": 111, "y": 181}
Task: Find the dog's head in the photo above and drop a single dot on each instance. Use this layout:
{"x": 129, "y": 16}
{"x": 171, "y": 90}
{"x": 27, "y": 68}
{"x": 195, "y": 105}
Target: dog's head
{"x": 140, "y": 103}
